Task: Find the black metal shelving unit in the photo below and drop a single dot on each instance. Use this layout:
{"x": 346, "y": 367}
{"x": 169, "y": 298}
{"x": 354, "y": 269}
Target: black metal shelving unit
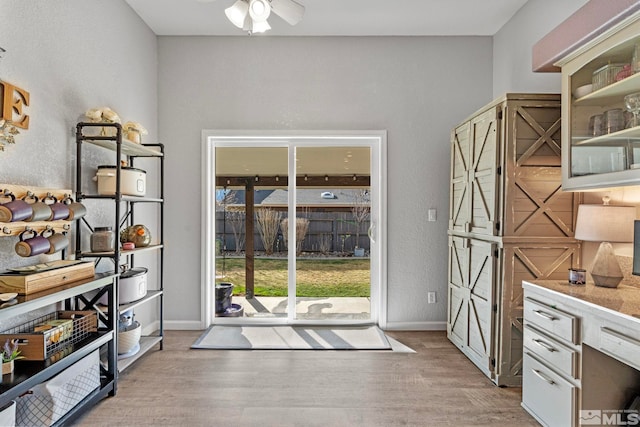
{"x": 28, "y": 374}
{"x": 131, "y": 151}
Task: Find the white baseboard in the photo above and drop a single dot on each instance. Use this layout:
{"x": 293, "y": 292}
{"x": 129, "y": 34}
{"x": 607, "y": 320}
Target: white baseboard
{"x": 151, "y": 328}
{"x": 183, "y": 325}
{"x": 194, "y": 325}
{"x": 416, "y": 326}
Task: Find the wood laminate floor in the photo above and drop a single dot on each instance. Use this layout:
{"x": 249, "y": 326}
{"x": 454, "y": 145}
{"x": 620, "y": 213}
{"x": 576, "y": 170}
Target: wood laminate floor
{"x": 437, "y": 386}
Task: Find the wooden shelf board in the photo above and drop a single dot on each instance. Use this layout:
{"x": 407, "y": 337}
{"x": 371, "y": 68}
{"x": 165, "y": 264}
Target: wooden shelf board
{"x": 146, "y": 344}
{"x": 611, "y": 139}
{"x": 128, "y": 148}
{"x": 612, "y": 93}
{"x": 125, "y": 198}
{"x": 150, "y": 295}
{"x": 122, "y": 253}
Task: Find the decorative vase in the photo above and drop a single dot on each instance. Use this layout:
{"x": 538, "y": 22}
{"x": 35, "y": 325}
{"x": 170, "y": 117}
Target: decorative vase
{"x": 7, "y": 367}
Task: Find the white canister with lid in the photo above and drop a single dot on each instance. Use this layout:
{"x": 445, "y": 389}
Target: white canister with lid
{"x": 133, "y": 181}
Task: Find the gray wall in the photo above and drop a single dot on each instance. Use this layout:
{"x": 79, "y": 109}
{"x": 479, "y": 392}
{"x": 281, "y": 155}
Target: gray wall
{"x": 513, "y": 43}
{"x": 417, "y": 88}
{"x": 70, "y": 56}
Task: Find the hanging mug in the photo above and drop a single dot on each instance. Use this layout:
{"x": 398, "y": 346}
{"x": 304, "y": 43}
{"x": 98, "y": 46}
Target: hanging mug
{"x": 57, "y": 241}
{"x": 32, "y": 244}
{"x": 41, "y": 211}
{"x": 15, "y": 209}
{"x": 58, "y": 209}
{"x": 76, "y": 209}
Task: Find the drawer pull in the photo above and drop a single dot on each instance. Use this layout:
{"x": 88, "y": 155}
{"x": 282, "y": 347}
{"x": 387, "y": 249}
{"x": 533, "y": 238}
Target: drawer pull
{"x": 545, "y": 315}
{"x": 544, "y": 345}
{"x": 543, "y": 377}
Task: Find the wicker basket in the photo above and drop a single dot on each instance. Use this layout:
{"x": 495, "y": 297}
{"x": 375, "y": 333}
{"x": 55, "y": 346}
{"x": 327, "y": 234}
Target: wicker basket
{"x": 128, "y": 338}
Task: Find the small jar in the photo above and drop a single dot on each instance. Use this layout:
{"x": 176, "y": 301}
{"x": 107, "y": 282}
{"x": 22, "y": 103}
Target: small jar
{"x": 577, "y": 276}
{"x": 103, "y": 239}
{"x": 613, "y": 120}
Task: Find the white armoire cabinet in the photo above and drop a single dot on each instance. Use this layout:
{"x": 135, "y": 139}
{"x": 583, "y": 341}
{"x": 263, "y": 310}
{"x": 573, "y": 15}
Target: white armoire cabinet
{"x": 509, "y": 221}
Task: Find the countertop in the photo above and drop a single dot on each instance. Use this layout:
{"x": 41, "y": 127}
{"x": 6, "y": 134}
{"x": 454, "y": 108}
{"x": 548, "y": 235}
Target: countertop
{"x": 624, "y": 299}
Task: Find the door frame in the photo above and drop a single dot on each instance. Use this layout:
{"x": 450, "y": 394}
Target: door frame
{"x": 376, "y": 139}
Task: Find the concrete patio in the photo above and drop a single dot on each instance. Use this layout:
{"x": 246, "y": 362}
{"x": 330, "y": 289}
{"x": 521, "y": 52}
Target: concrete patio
{"x": 355, "y": 308}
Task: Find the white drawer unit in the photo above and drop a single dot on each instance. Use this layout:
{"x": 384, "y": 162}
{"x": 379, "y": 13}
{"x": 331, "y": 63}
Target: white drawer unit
{"x": 563, "y": 358}
{"x": 557, "y": 322}
{"x": 546, "y": 395}
{"x": 620, "y": 345}
{"x": 582, "y": 351}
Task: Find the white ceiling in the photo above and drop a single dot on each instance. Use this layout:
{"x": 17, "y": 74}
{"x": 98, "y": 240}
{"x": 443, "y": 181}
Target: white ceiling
{"x": 337, "y": 17}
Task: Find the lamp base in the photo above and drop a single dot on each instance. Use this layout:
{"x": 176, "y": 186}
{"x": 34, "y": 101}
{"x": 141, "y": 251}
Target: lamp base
{"x": 605, "y": 281}
{"x": 606, "y": 271}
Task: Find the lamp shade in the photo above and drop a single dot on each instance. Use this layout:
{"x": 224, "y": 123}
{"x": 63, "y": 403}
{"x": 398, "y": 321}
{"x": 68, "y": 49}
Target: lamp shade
{"x": 605, "y": 223}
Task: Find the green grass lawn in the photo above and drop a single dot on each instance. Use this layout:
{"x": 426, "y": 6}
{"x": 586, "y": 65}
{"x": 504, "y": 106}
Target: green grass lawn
{"x": 348, "y": 277}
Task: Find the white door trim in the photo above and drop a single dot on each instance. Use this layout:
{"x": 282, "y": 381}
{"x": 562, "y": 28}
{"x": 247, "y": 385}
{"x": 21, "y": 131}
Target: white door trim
{"x": 376, "y": 139}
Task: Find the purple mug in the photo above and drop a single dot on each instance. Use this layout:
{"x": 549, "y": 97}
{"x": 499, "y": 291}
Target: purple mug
{"x": 15, "y": 210}
{"x": 59, "y": 210}
{"x": 31, "y": 246}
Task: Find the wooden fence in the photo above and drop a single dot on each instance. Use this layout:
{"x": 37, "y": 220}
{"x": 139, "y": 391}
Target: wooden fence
{"x": 329, "y": 232}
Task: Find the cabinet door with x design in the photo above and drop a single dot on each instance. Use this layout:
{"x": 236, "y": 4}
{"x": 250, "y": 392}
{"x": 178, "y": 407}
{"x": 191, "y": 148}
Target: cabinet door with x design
{"x": 534, "y": 203}
{"x": 475, "y": 160}
{"x": 509, "y": 221}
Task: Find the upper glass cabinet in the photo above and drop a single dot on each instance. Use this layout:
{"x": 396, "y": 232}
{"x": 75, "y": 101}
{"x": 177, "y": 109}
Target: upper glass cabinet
{"x": 601, "y": 111}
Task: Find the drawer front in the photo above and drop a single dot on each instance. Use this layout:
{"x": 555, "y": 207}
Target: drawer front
{"x": 620, "y": 346}
{"x": 550, "y": 398}
{"x": 554, "y": 321}
{"x": 561, "y": 357}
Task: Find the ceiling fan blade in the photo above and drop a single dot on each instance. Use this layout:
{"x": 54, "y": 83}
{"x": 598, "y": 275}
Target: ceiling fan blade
{"x": 289, "y": 10}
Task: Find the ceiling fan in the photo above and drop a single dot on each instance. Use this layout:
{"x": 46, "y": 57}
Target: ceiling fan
{"x": 251, "y": 15}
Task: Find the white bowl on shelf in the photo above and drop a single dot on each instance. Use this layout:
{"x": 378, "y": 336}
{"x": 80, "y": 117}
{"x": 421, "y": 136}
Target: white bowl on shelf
{"x": 581, "y": 91}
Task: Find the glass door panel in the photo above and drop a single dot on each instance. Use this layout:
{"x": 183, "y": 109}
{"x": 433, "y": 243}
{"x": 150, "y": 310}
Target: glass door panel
{"x": 251, "y": 258}
{"x": 332, "y": 208}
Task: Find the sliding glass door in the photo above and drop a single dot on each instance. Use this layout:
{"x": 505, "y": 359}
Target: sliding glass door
{"x": 332, "y": 205}
{"x": 296, "y": 236}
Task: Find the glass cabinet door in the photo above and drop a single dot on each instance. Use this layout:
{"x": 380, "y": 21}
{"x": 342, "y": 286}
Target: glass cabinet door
{"x": 601, "y": 112}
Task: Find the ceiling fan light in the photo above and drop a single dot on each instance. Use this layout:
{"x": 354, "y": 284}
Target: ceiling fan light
{"x": 237, "y": 13}
{"x": 289, "y": 10}
{"x": 259, "y": 10}
{"x": 260, "y": 26}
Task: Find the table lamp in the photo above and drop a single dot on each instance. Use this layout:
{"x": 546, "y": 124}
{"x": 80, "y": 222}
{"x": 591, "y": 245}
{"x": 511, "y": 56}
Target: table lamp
{"x": 605, "y": 223}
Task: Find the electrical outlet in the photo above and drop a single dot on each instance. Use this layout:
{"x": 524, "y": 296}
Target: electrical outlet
{"x": 431, "y": 297}
{"x": 431, "y": 213}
